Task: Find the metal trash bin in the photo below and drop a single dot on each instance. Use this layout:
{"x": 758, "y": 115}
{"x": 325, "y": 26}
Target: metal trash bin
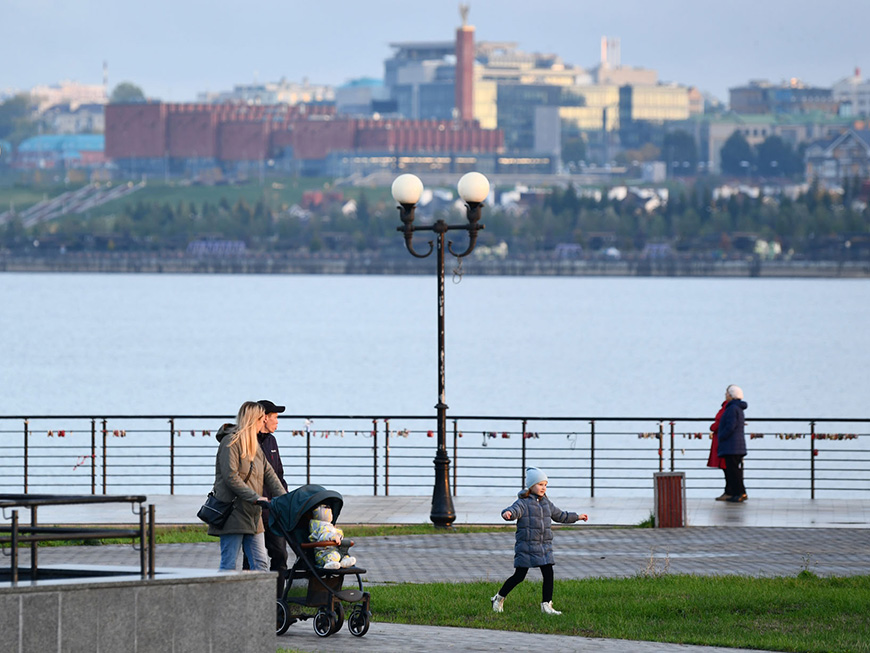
{"x": 670, "y": 499}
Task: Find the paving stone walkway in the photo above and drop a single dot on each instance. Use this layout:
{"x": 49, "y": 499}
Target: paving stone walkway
{"x": 734, "y": 542}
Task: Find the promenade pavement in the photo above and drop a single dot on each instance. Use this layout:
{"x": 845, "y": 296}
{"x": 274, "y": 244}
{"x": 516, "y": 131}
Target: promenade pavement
{"x": 762, "y": 537}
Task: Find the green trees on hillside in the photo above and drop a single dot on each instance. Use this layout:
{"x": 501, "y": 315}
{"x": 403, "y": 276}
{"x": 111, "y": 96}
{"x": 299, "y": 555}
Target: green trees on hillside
{"x": 771, "y": 158}
{"x": 689, "y": 218}
{"x": 16, "y": 123}
{"x": 126, "y": 92}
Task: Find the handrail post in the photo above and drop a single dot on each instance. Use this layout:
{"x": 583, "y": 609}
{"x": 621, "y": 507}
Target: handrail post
{"x": 592, "y": 459}
{"x": 104, "y": 455}
{"x": 812, "y": 460}
{"x": 93, "y": 456}
{"x": 308, "y": 454}
{"x": 672, "y": 446}
{"x": 14, "y": 544}
{"x": 386, "y": 456}
{"x": 143, "y": 540}
{"x": 151, "y": 540}
{"x": 34, "y": 550}
{"x": 375, "y": 451}
{"x": 661, "y": 444}
{"x": 26, "y": 458}
{"x": 523, "y": 468}
{"x": 455, "y": 458}
{"x": 171, "y": 455}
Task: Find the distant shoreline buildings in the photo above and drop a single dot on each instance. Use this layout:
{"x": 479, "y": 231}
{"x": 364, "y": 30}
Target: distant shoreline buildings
{"x": 451, "y": 106}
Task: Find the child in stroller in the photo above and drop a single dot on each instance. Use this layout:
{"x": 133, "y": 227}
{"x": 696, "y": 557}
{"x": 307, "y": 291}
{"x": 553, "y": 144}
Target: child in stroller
{"x": 311, "y": 588}
{"x": 322, "y": 529}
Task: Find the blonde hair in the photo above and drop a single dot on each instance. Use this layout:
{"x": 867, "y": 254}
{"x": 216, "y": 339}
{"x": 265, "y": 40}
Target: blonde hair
{"x": 248, "y": 423}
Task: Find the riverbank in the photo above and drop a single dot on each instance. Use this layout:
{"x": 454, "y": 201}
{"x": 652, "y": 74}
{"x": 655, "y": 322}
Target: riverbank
{"x": 362, "y": 265}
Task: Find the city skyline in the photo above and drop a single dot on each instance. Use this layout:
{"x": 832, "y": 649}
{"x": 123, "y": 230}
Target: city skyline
{"x": 175, "y": 50}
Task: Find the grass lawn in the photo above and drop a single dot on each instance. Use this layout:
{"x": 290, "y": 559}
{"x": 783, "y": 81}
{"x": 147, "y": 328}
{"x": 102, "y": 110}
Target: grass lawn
{"x": 806, "y": 613}
{"x": 189, "y": 533}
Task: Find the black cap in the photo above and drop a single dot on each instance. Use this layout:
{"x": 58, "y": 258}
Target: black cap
{"x": 269, "y": 407}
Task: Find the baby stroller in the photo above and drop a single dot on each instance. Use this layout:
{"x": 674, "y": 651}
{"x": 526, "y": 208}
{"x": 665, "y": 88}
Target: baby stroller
{"x": 311, "y": 591}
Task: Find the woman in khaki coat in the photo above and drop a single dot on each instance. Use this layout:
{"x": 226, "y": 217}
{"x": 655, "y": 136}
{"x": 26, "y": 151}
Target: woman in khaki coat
{"x": 241, "y": 469}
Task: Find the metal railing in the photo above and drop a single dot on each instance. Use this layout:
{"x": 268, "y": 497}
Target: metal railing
{"x": 379, "y": 454}
{"x": 15, "y": 534}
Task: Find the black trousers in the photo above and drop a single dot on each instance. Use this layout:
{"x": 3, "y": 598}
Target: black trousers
{"x": 734, "y": 476}
{"x": 276, "y": 547}
{"x": 520, "y": 574}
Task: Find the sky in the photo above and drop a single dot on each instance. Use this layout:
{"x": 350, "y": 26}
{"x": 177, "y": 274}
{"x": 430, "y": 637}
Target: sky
{"x": 173, "y": 49}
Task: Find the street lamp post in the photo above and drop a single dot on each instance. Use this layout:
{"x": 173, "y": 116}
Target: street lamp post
{"x": 473, "y": 188}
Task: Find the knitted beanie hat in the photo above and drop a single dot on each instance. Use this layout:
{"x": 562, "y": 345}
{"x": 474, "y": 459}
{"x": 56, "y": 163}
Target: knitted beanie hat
{"x": 323, "y": 513}
{"x": 534, "y": 475}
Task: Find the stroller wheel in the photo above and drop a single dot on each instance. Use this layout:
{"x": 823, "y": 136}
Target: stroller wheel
{"x": 284, "y": 618}
{"x": 358, "y": 622}
{"x": 339, "y": 617}
{"x": 324, "y": 623}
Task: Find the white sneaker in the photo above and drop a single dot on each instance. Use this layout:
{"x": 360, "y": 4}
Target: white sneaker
{"x": 497, "y": 603}
{"x": 348, "y": 561}
{"x": 547, "y": 608}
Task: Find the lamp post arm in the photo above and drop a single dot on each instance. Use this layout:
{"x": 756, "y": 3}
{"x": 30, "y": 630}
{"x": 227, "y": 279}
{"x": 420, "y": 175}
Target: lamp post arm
{"x": 406, "y": 215}
{"x": 472, "y": 240}
{"x": 409, "y": 235}
{"x": 472, "y": 212}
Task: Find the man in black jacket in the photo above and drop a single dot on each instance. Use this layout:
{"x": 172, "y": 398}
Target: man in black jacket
{"x": 276, "y": 545}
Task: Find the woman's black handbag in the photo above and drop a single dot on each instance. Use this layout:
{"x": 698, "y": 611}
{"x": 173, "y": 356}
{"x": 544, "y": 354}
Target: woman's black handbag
{"x": 216, "y": 512}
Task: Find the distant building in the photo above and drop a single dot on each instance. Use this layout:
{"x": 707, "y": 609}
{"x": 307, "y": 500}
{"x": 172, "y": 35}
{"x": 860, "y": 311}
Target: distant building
{"x": 421, "y": 79}
{"x": 281, "y": 92}
{"x": 610, "y": 70}
{"x": 83, "y": 119}
{"x": 54, "y": 151}
{"x": 853, "y": 95}
{"x": 195, "y": 139}
{"x": 536, "y": 99}
{"x": 793, "y": 97}
{"x": 843, "y": 157}
{"x": 68, "y": 93}
{"x": 364, "y": 98}
{"x": 712, "y": 131}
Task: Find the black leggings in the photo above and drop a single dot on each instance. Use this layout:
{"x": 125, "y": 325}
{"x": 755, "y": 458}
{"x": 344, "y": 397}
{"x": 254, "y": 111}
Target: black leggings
{"x": 519, "y": 576}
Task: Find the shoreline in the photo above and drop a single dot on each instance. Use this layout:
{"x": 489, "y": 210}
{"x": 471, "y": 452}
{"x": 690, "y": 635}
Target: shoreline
{"x": 361, "y": 265}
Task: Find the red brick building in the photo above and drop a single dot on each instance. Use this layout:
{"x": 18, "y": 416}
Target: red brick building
{"x": 146, "y": 136}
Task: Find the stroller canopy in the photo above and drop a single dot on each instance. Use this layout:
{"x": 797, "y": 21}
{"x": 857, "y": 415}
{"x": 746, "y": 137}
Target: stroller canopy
{"x": 287, "y": 513}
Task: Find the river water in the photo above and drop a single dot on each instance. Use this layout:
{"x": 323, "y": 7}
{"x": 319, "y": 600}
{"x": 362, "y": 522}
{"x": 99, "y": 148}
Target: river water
{"x": 90, "y": 344}
{"x": 82, "y": 343}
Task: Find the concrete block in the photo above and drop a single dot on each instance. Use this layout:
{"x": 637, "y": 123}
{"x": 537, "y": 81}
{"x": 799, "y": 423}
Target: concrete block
{"x": 178, "y": 613}
{"x": 250, "y": 602}
{"x": 191, "y": 622}
{"x": 117, "y": 613}
{"x": 155, "y": 616}
{"x": 40, "y": 614}
{"x": 79, "y": 619}
{"x": 10, "y": 607}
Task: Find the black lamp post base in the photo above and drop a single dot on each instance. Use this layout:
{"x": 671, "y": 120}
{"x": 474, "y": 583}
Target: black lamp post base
{"x": 443, "y": 515}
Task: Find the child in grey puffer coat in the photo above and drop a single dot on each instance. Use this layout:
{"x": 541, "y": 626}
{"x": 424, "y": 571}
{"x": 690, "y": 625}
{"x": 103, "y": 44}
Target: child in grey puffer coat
{"x": 534, "y": 548}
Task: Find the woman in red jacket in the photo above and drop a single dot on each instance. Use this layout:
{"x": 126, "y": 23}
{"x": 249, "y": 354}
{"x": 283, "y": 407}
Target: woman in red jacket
{"x": 714, "y": 460}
